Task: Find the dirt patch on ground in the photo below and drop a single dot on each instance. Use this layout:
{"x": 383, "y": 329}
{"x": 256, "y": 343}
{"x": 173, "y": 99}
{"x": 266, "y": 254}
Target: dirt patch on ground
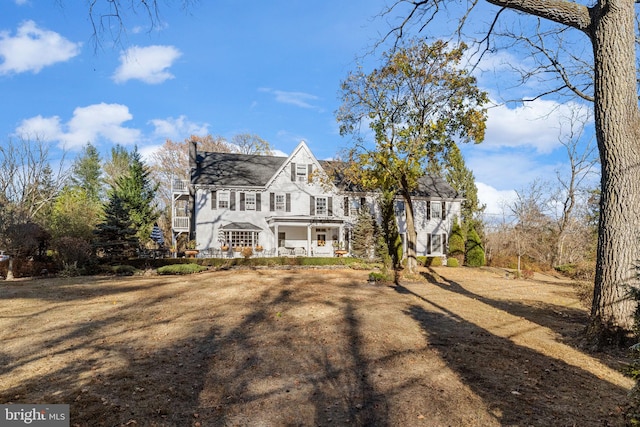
{"x": 459, "y": 347}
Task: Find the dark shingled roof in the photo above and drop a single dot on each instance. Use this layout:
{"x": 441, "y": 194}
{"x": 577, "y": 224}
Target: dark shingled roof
{"x": 434, "y": 186}
{"x": 233, "y": 169}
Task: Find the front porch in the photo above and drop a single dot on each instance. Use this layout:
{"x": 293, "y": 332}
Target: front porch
{"x": 304, "y": 237}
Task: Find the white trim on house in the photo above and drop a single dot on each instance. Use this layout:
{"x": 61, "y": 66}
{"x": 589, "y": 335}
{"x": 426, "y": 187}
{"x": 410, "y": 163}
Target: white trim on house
{"x": 272, "y": 203}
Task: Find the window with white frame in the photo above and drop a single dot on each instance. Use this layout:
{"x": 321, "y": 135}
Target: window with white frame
{"x": 250, "y": 201}
{"x": 280, "y": 202}
{"x": 436, "y": 244}
{"x": 321, "y": 206}
{"x": 301, "y": 172}
{"x": 223, "y": 200}
{"x": 241, "y": 239}
{"x": 436, "y": 210}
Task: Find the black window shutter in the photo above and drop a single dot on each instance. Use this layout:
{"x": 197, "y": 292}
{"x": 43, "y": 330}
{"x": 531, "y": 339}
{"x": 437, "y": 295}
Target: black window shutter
{"x": 346, "y": 206}
{"x": 429, "y": 212}
{"x": 232, "y": 200}
{"x": 444, "y": 210}
{"x": 309, "y": 172}
{"x": 241, "y": 201}
{"x": 258, "y": 202}
{"x": 428, "y": 243}
{"x": 312, "y": 205}
{"x": 214, "y": 200}
{"x": 288, "y": 202}
{"x": 272, "y": 202}
{"x": 293, "y": 171}
{"x": 330, "y": 206}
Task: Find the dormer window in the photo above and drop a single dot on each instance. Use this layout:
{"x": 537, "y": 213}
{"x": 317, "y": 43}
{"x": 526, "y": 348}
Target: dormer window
{"x": 301, "y": 173}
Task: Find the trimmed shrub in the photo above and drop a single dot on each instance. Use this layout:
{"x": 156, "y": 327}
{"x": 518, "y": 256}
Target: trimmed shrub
{"x": 181, "y": 269}
{"x": 456, "y": 242}
{"x": 376, "y": 276}
{"x": 452, "y": 262}
{"x": 123, "y": 270}
{"x": 474, "y": 256}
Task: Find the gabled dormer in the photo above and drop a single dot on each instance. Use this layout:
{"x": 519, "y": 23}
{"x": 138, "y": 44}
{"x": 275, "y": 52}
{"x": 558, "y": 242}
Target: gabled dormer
{"x": 301, "y": 169}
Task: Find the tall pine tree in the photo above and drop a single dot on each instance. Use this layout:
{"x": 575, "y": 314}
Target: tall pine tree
{"x": 115, "y": 236}
{"x": 87, "y": 173}
{"x": 137, "y": 191}
{"x": 462, "y": 180}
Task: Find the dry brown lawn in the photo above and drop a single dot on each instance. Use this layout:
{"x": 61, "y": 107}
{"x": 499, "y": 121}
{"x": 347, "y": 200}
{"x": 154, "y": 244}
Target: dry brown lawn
{"x": 308, "y": 347}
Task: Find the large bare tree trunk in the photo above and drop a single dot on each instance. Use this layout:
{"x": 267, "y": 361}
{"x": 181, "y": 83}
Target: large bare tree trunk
{"x": 412, "y": 237}
{"x": 617, "y": 130}
{"x": 611, "y": 28}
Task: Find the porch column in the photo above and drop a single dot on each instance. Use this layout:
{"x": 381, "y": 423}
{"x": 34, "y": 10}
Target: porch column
{"x": 341, "y": 238}
{"x": 309, "y": 240}
{"x": 275, "y": 238}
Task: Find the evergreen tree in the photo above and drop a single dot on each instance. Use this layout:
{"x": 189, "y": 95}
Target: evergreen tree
{"x": 474, "y": 256}
{"x": 115, "y": 236}
{"x": 364, "y": 240}
{"x": 457, "y": 242}
{"x": 137, "y": 192}
{"x": 117, "y": 165}
{"x": 462, "y": 180}
{"x": 87, "y": 172}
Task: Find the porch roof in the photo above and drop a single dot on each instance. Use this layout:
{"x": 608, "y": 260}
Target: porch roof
{"x": 304, "y": 221}
{"x": 240, "y": 226}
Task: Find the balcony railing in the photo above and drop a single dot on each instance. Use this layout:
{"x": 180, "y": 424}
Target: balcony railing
{"x": 180, "y": 186}
{"x": 181, "y": 223}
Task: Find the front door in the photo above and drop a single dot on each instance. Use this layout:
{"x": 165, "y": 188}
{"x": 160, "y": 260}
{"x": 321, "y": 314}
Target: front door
{"x": 281, "y": 239}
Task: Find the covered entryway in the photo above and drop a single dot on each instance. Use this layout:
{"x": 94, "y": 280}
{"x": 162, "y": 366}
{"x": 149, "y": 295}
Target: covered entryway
{"x": 303, "y": 237}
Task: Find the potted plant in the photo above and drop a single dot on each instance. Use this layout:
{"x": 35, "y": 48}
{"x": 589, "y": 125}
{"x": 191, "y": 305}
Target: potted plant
{"x": 191, "y": 250}
{"x": 247, "y": 252}
{"x": 338, "y": 248}
{"x": 259, "y": 248}
{"x": 224, "y": 246}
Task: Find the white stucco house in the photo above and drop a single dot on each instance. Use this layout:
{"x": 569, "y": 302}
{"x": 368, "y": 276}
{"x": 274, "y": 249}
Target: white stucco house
{"x": 290, "y": 206}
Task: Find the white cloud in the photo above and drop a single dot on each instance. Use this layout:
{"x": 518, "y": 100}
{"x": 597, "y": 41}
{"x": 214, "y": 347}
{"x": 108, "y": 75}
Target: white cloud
{"x": 21, "y": 2}
{"x": 34, "y": 48}
{"x": 299, "y": 99}
{"x": 178, "y": 129}
{"x": 494, "y": 199}
{"x": 535, "y": 124}
{"x": 148, "y": 64}
{"x": 88, "y": 124}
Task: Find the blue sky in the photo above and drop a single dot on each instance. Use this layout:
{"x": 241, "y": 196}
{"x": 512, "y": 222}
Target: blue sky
{"x": 269, "y": 68}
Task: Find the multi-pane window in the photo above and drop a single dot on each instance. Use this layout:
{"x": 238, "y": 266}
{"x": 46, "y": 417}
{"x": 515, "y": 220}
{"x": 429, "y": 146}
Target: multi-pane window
{"x": 301, "y": 172}
{"x": 436, "y": 210}
{"x": 241, "y": 239}
{"x": 321, "y": 206}
{"x": 250, "y": 201}
{"x": 223, "y": 200}
{"x": 280, "y": 202}
{"x": 436, "y": 244}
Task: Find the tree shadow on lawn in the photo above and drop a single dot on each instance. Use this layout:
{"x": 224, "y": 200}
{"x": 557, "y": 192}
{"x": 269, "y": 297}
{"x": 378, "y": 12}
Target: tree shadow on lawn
{"x": 521, "y": 386}
{"x": 569, "y": 323}
{"x": 263, "y": 368}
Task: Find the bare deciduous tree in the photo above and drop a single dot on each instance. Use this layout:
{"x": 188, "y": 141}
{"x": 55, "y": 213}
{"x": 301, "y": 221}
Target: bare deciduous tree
{"x": 602, "y": 37}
